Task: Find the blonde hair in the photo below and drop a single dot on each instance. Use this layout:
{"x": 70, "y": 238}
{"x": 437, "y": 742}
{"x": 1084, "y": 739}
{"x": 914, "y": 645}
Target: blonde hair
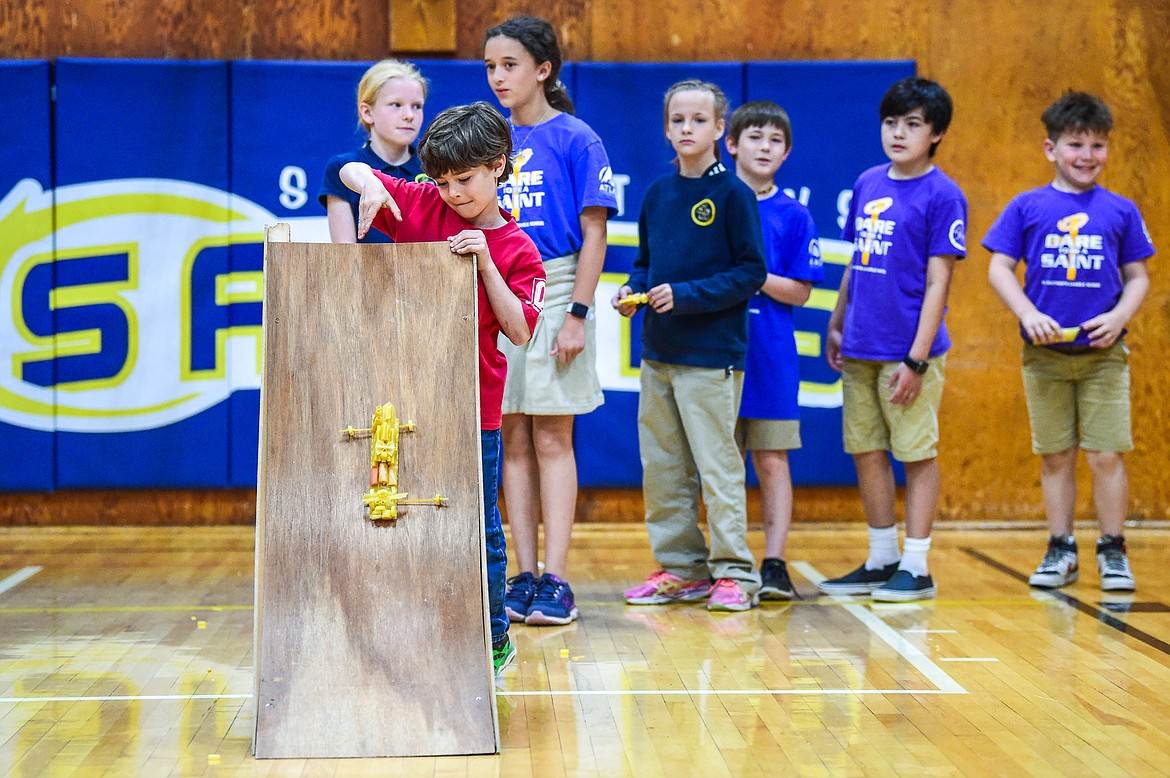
{"x": 695, "y": 85}
{"x": 376, "y": 77}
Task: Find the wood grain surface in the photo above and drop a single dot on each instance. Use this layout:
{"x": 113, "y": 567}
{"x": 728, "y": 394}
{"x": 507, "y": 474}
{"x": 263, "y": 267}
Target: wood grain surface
{"x": 371, "y": 639}
{"x": 1003, "y": 61}
{"x": 128, "y": 652}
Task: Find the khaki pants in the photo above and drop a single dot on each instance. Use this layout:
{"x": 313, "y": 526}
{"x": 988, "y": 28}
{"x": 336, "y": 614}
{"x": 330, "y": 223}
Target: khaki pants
{"x": 686, "y": 431}
{"x": 870, "y": 422}
{"x": 537, "y": 384}
{"x": 1078, "y": 399}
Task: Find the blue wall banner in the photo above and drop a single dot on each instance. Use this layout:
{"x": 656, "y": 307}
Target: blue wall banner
{"x": 27, "y": 419}
{"x": 835, "y": 103}
{"x": 142, "y": 205}
{"x": 835, "y": 134}
{"x": 133, "y": 211}
{"x": 635, "y": 139}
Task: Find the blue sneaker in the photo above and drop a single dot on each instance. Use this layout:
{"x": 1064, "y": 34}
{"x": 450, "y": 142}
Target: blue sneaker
{"x": 518, "y": 597}
{"x": 553, "y": 603}
{"x": 904, "y": 586}
{"x": 860, "y": 581}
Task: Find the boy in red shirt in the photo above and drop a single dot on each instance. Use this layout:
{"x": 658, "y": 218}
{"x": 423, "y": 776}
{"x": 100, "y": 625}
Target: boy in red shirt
{"x": 467, "y": 151}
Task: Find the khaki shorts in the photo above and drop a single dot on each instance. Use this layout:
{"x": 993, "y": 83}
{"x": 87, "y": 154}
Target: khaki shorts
{"x": 1078, "y": 399}
{"x": 767, "y": 434}
{"x": 538, "y": 385}
{"x": 872, "y": 423}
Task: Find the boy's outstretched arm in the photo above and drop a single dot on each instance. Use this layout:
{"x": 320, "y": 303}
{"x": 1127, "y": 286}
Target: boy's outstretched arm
{"x": 506, "y": 305}
{"x": 905, "y": 383}
{"x": 1105, "y": 329}
{"x": 1040, "y": 328}
{"x": 360, "y": 177}
{"x": 837, "y": 323}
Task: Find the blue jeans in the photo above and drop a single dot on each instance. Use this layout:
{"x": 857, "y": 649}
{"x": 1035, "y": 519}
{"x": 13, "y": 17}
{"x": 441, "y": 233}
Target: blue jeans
{"x": 497, "y": 547}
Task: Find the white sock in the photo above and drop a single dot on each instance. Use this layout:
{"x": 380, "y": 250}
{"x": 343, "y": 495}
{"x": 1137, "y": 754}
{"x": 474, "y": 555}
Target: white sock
{"x": 914, "y": 555}
{"x": 883, "y": 547}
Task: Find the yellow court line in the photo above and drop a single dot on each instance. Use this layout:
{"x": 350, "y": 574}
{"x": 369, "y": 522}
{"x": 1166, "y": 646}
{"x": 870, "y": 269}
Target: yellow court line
{"x": 130, "y": 609}
{"x": 822, "y": 602}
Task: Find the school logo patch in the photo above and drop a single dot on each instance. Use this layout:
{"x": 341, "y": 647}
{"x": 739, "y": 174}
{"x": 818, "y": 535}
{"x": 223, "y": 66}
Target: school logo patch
{"x": 703, "y": 212}
{"x": 605, "y": 180}
{"x": 538, "y": 290}
{"x": 814, "y": 252}
{"x": 958, "y": 235}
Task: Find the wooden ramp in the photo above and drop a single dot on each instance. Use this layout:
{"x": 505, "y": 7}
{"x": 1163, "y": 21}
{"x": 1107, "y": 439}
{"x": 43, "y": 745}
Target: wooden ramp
{"x": 372, "y": 639}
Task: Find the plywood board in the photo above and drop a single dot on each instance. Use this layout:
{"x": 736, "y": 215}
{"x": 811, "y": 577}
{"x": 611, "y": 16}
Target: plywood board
{"x": 371, "y": 639}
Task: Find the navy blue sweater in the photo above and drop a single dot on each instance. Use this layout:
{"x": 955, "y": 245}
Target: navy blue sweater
{"x": 702, "y": 236}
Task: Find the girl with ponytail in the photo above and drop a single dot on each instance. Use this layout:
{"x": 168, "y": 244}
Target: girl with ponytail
{"x": 560, "y": 193}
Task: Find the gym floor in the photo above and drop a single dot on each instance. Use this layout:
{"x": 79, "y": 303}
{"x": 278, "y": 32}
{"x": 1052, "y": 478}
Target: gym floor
{"x": 128, "y": 652}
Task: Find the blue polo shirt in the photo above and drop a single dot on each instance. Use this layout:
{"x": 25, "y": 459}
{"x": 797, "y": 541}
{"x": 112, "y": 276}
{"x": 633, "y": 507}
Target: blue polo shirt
{"x": 332, "y": 186}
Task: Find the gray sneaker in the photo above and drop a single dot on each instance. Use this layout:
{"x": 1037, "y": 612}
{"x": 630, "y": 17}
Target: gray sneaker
{"x": 1114, "y": 564}
{"x": 1059, "y": 566}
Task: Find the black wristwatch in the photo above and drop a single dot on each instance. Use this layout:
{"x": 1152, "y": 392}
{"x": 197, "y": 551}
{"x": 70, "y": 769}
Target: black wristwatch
{"x": 915, "y": 365}
{"x": 578, "y": 311}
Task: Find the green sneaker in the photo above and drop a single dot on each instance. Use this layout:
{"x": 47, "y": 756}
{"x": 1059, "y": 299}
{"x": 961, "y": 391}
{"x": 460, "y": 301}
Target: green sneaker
{"x": 503, "y": 656}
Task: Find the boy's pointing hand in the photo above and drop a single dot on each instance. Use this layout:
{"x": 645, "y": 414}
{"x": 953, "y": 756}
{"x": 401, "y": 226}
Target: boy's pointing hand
{"x": 374, "y": 198}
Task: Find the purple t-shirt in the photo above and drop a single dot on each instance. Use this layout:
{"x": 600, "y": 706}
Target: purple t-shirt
{"x": 896, "y": 226}
{"x": 560, "y": 168}
{"x": 1073, "y": 246}
{"x": 771, "y": 379}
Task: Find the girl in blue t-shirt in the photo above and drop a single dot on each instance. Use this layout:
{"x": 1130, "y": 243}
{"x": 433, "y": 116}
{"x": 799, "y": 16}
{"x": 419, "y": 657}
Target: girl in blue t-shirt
{"x": 390, "y": 99}
{"x": 560, "y": 193}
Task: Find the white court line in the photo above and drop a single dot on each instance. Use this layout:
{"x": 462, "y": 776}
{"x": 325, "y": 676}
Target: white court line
{"x": 503, "y": 693}
{"x": 129, "y": 697}
{"x": 910, "y": 652}
{"x": 19, "y": 577}
{"x": 945, "y": 684}
{"x": 711, "y": 692}
{"x": 967, "y": 659}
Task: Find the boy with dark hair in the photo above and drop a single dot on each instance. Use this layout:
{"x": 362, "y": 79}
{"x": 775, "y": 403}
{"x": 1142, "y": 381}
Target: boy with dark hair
{"x": 759, "y": 138}
{"x": 907, "y": 221}
{"x": 1085, "y": 250}
{"x": 467, "y": 151}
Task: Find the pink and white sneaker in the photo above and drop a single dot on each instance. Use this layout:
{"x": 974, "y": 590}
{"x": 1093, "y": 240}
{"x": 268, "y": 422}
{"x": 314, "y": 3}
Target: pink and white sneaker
{"x": 661, "y": 587}
{"x": 728, "y": 595}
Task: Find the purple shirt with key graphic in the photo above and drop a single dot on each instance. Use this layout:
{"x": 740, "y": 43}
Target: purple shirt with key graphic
{"x": 896, "y": 226}
{"x": 1073, "y": 246}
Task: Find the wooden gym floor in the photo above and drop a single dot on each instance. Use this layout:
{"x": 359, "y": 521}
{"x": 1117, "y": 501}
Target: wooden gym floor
{"x": 129, "y": 652}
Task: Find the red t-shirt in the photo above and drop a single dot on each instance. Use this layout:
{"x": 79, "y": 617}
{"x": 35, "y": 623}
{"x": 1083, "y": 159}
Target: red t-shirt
{"x": 426, "y": 218}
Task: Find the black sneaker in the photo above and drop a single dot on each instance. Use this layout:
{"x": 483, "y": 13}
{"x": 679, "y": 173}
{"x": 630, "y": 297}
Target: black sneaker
{"x": 1114, "y": 564}
{"x": 1059, "y": 566}
{"x": 776, "y": 583}
{"x": 518, "y": 596}
{"x": 904, "y": 586}
{"x": 860, "y": 581}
